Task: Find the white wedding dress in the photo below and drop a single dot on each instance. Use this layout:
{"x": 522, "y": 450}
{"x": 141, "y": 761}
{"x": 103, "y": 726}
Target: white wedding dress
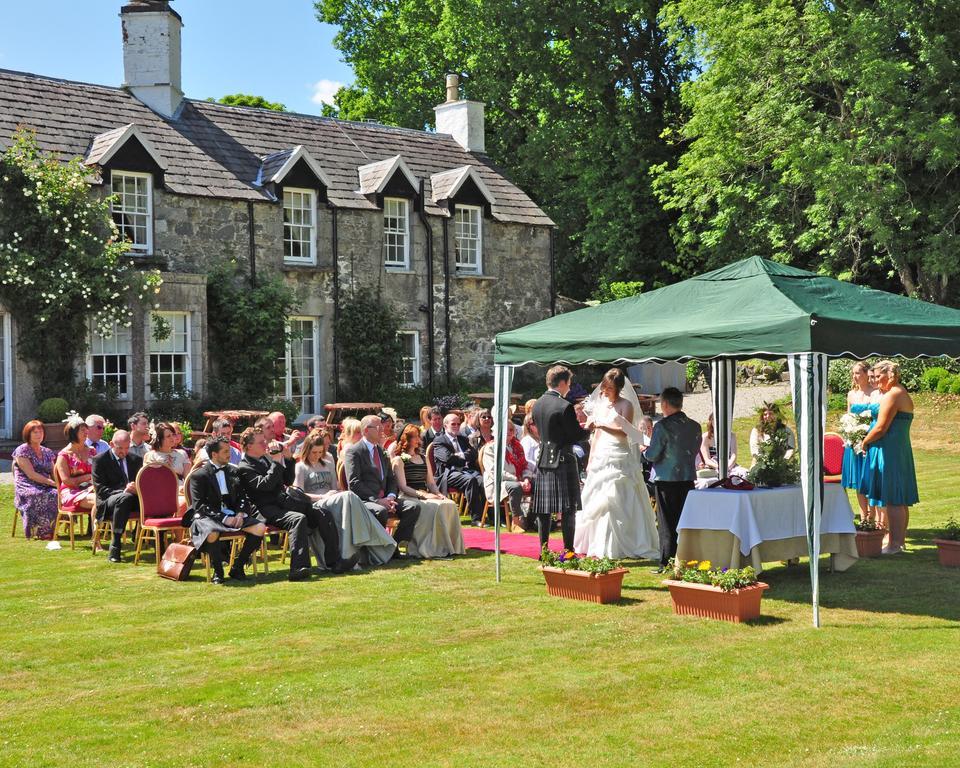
{"x": 617, "y": 520}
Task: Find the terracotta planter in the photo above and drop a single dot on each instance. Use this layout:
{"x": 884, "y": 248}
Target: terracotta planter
{"x": 581, "y": 585}
{"x": 713, "y": 603}
{"x": 869, "y": 543}
{"x": 949, "y": 552}
{"x": 53, "y": 436}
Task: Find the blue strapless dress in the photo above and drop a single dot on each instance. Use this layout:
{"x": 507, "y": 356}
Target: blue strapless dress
{"x": 889, "y": 475}
{"x": 853, "y": 463}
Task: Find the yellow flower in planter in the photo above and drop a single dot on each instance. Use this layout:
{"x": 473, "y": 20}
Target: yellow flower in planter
{"x": 704, "y": 566}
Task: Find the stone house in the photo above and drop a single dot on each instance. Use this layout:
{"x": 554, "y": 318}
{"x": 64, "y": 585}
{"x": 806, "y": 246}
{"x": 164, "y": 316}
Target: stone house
{"x": 328, "y": 204}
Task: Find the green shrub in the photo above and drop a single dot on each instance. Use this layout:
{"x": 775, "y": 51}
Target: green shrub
{"x": 837, "y": 401}
{"x": 955, "y": 387}
{"x": 288, "y": 408}
{"x": 945, "y": 384}
{"x": 932, "y": 377}
{"x": 912, "y": 371}
{"x": 52, "y": 409}
{"x": 407, "y": 401}
{"x": 838, "y": 376}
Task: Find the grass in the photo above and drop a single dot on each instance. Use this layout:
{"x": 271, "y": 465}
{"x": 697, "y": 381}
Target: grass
{"x": 434, "y": 664}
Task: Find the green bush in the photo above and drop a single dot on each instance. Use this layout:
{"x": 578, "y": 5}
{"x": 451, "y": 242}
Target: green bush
{"x": 912, "y": 371}
{"x": 288, "y": 408}
{"x": 838, "y": 376}
{"x": 837, "y": 401}
{"x": 407, "y": 401}
{"x": 946, "y": 383}
{"x": 52, "y": 409}
{"x": 931, "y": 377}
{"x": 955, "y": 387}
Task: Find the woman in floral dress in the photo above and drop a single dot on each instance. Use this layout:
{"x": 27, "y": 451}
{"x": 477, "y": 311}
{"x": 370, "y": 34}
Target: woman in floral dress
{"x": 35, "y": 491}
{"x": 73, "y": 466}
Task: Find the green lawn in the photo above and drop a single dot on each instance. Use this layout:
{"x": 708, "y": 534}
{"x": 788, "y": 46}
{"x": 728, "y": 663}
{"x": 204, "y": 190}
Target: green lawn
{"x": 435, "y": 664}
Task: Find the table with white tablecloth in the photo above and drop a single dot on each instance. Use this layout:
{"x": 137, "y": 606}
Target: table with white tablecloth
{"x": 733, "y": 529}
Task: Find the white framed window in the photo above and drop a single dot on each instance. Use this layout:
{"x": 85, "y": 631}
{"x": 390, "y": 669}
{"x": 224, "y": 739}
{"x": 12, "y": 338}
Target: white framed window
{"x": 109, "y": 362}
{"x": 468, "y": 236}
{"x": 300, "y": 226}
{"x": 169, "y": 363}
{"x": 132, "y": 208}
{"x": 299, "y": 368}
{"x": 396, "y": 232}
{"x": 410, "y": 355}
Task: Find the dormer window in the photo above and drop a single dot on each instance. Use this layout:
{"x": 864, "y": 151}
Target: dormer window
{"x": 468, "y": 239}
{"x": 396, "y": 233}
{"x": 299, "y": 226}
{"x": 132, "y": 209}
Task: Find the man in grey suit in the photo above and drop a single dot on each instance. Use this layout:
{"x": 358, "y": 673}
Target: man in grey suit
{"x": 369, "y": 475}
{"x": 673, "y": 450}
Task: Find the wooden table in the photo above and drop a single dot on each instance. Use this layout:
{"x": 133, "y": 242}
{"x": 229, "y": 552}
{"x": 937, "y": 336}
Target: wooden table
{"x": 336, "y": 411}
{"x": 480, "y": 397}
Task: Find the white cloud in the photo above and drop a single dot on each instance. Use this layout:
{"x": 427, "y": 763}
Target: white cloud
{"x": 324, "y": 90}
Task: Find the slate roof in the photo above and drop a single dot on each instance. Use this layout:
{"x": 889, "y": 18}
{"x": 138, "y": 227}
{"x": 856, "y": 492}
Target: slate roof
{"x": 446, "y": 184}
{"x": 105, "y": 144}
{"x": 375, "y": 176}
{"x": 212, "y": 150}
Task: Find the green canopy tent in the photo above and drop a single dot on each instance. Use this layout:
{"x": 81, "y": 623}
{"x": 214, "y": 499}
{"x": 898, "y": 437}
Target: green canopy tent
{"x": 752, "y": 308}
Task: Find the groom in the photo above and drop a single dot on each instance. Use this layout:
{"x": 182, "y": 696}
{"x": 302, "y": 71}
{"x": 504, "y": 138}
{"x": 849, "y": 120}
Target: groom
{"x": 558, "y": 479}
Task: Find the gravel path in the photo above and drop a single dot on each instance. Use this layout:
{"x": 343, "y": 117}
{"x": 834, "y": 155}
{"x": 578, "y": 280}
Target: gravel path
{"x": 699, "y": 405}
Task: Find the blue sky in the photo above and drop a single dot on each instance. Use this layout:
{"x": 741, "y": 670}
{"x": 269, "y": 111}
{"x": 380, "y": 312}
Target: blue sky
{"x": 273, "y": 48}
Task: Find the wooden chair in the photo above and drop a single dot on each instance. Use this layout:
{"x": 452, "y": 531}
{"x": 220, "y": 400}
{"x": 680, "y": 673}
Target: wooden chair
{"x": 452, "y": 493}
{"x": 507, "y": 509}
{"x": 17, "y": 521}
{"x": 157, "y": 489}
{"x": 104, "y": 529}
{"x": 66, "y": 515}
{"x": 832, "y": 457}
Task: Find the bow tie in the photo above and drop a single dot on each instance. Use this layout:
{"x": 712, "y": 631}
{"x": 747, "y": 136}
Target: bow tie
{"x": 219, "y": 469}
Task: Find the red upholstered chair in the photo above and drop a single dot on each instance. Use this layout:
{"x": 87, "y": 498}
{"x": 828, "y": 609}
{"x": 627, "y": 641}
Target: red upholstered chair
{"x": 832, "y": 457}
{"x": 157, "y": 489}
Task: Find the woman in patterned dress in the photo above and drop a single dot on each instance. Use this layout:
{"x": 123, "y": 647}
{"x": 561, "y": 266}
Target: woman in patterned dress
{"x": 74, "y": 468}
{"x": 35, "y": 491}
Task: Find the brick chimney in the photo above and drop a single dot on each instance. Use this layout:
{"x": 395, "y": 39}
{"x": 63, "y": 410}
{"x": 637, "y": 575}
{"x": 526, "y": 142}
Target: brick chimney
{"x": 151, "y": 54}
{"x": 460, "y": 118}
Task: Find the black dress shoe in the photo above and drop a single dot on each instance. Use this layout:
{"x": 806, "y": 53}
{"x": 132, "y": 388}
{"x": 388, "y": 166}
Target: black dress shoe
{"x": 114, "y": 557}
{"x": 217, "y": 578}
{"x": 237, "y": 573}
{"x": 659, "y": 569}
{"x": 299, "y": 574}
{"x": 345, "y": 564}
{"x": 398, "y": 555}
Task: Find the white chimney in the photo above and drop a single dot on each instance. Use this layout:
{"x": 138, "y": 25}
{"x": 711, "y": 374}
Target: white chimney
{"x": 460, "y": 118}
{"x": 151, "y": 54}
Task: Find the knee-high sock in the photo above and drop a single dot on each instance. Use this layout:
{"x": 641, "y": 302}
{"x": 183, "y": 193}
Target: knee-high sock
{"x": 251, "y": 544}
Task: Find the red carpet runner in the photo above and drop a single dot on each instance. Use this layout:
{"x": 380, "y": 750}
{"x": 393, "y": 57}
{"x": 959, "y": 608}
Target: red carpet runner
{"x": 520, "y": 544}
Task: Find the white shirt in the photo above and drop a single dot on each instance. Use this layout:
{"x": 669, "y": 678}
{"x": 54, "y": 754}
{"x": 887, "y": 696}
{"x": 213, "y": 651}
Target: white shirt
{"x": 101, "y": 446}
{"x": 456, "y": 445}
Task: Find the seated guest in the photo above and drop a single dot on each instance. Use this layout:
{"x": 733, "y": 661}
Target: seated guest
{"x": 349, "y": 434}
{"x": 439, "y": 519}
{"x": 387, "y": 434}
{"x": 199, "y": 453}
{"x": 469, "y": 419}
{"x": 219, "y": 505}
{"x": 279, "y": 423}
{"x": 163, "y": 451}
{"x": 95, "y": 427}
{"x": 515, "y": 481}
{"x": 530, "y": 440}
{"x": 222, "y": 427}
{"x": 178, "y": 440}
{"x": 483, "y": 433}
{"x": 770, "y": 423}
{"x": 316, "y": 475}
{"x": 35, "y": 492}
{"x": 435, "y": 428}
{"x": 425, "y": 418}
{"x": 708, "y": 454}
{"x": 114, "y": 473}
{"x": 456, "y": 464}
{"x": 369, "y": 475}
{"x": 73, "y": 467}
{"x": 139, "y": 427}
{"x": 264, "y": 478}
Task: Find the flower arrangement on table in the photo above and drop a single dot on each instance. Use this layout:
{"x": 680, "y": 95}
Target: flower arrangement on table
{"x": 854, "y": 427}
{"x": 570, "y": 561}
{"x": 772, "y": 468}
{"x": 703, "y": 572}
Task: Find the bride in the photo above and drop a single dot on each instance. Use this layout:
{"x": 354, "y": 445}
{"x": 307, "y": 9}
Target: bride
{"x": 617, "y": 520}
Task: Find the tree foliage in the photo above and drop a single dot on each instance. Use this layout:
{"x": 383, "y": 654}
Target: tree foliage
{"x": 247, "y": 100}
{"x": 62, "y": 264}
{"x": 821, "y": 133}
{"x": 576, "y": 101}
{"x": 369, "y": 348}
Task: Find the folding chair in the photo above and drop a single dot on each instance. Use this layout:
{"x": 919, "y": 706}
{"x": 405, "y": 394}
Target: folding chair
{"x": 67, "y": 514}
{"x": 157, "y": 489}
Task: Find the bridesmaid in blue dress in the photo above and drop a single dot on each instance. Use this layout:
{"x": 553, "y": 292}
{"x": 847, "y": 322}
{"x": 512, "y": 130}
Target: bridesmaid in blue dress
{"x": 862, "y": 397}
{"x": 889, "y": 477}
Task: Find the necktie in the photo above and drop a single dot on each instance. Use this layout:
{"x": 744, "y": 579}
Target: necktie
{"x": 376, "y": 461}
{"x": 123, "y": 466}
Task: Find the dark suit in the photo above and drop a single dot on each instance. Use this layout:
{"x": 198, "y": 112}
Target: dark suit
{"x": 372, "y": 485}
{"x": 558, "y": 475}
{"x": 459, "y": 471}
{"x": 429, "y": 436}
{"x": 113, "y": 501}
{"x": 264, "y": 481}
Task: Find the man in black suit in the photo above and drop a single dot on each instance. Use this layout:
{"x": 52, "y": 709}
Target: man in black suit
{"x": 558, "y": 476}
{"x": 219, "y": 505}
{"x": 435, "y": 428}
{"x": 264, "y": 478}
{"x": 456, "y": 466}
{"x": 114, "y": 473}
{"x": 369, "y": 475}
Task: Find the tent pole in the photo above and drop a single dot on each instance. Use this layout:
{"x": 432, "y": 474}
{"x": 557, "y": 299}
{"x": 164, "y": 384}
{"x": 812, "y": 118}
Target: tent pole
{"x": 502, "y": 384}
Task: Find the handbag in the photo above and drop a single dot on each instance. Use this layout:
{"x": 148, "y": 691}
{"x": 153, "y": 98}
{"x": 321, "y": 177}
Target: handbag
{"x": 177, "y": 561}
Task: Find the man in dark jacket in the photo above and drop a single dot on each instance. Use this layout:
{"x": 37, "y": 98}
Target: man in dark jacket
{"x": 114, "y": 475}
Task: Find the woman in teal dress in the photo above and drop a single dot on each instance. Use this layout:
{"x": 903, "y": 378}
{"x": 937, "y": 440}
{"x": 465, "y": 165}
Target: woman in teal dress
{"x": 863, "y": 396}
{"x": 889, "y": 476}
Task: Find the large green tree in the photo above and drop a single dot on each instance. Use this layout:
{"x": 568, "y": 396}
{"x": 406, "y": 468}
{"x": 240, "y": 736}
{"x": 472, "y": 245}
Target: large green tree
{"x": 821, "y": 133}
{"x": 577, "y": 96}
{"x": 248, "y": 100}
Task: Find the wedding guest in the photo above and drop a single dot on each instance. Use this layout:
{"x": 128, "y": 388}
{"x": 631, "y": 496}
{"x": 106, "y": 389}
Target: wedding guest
{"x": 443, "y": 536}
{"x": 95, "y": 426}
{"x": 163, "y": 451}
{"x": 889, "y": 476}
{"x": 673, "y": 451}
{"x": 279, "y": 423}
{"x": 708, "y": 452}
{"x": 139, "y": 427}
{"x": 316, "y": 470}
{"x": 770, "y": 422}
{"x": 435, "y": 428}
{"x": 35, "y": 492}
{"x": 73, "y": 467}
{"x": 456, "y": 464}
{"x": 530, "y": 440}
{"x": 425, "y": 418}
{"x": 387, "y": 434}
{"x": 483, "y": 433}
{"x": 863, "y": 396}
{"x": 349, "y": 434}
{"x": 114, "y": 476}
{"x": 646, "y": 426}
{"x": 469, "y": 421}
{"x": 221, "y": 427}
{"x": 515, "y": 482}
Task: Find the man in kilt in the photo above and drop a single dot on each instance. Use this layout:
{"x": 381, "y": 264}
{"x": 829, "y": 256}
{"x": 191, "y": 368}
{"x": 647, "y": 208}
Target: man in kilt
{"x": 558, "y": 477}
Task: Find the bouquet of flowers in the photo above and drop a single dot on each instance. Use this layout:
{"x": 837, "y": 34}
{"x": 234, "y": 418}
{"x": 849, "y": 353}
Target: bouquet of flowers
{"x": 703, "y": 572}
{"x": 854, "y": 427}
{"x": 570, "y": 561}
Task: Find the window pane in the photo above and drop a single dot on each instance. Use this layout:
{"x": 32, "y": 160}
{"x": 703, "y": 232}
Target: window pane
{"x": 131, "y": 209}
{"x": 298, "y": 225}
{"x": 467, "y": 238}
{"x": 395, "y": 232}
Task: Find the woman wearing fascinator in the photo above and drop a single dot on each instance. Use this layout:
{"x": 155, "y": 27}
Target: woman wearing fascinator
{"x": 74, "y": 468}
{"x": 616, "y": 520}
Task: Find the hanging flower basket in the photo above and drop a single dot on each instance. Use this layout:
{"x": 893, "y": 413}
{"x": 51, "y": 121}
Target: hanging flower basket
{"x": 709, "y": 602}
{"x": 583, "y": 585}
{"x": 949, "y": 552}
{"x": 870, "y": 543}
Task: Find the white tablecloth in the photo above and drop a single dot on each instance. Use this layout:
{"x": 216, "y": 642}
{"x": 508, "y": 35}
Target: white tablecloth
{"x": 764, "y": 514}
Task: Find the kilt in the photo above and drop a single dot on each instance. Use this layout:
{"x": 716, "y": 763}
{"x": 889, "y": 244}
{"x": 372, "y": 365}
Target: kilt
{"x": 557, "y": 490}
{"x": 201, "y": 527}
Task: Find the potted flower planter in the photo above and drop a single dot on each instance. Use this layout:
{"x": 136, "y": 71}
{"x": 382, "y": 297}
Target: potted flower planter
{"x": 54, "y": 438}
{"x": 583, "y": 585}
{"x": 949, "y": 552}
{"x": 711, "y": 602}
{"x": 870, "y": 543}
